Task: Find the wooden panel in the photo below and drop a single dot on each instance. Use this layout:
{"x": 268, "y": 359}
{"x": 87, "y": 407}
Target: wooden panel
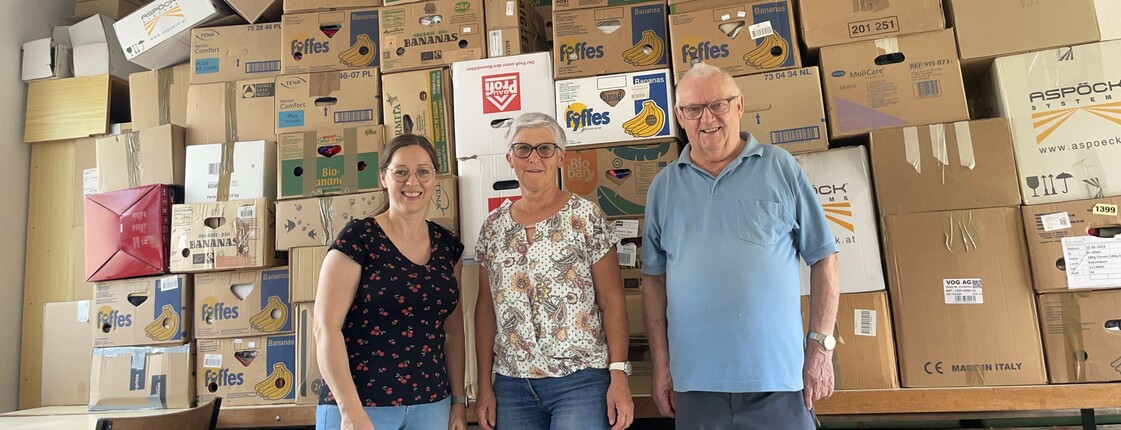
{"x": 67, "y": 108}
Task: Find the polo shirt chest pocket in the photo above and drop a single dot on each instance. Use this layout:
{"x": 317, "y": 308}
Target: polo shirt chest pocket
{"x": 762, "y": 222}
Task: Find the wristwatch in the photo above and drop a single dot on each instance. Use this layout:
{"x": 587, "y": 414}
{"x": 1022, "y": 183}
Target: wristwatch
{"x": 625, "y": 366}
{"x": 459, "y": 400}
{"x": 825, "y": 340}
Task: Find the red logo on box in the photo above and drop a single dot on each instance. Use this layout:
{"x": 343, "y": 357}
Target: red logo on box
{"x": 494, "y": 202}
{"x": 501, "y": 93}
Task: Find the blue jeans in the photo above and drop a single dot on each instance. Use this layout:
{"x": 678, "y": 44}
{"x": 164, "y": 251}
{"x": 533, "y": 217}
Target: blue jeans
{"x": 574, "y": 402}
{"x": 425, "y": 416}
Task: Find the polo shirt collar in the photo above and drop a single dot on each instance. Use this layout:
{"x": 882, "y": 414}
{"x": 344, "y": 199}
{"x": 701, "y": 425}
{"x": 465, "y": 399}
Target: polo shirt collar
{"x": 752, "y": 149}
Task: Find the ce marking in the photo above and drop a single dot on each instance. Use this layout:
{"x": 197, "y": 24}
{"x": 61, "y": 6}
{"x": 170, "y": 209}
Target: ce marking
{"x": 931, "y": 365}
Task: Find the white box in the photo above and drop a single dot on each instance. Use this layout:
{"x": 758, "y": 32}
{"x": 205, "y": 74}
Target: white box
{"x": 97, "y": 50}
{"x": 594, "y": 110}
{"x": 485, "y": 182}
{"x": 488, "y": 94}
{"x": 1066, "y": 129}
{"x": 843, "y": 185}
{"x": 158, "y": 35}
{"x": 49, "y": 58}
{"x": 1108, "y": 12}
{"x": 253, "y": 172}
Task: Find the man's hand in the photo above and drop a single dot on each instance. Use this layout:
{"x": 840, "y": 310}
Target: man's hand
{"x": 817, "y": 374}
{"x": 663, "y": 392}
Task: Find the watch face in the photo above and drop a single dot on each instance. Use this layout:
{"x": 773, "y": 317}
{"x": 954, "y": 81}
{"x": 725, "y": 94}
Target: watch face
{"x": 829, "y": 342}
{"x": 627, "y": 368}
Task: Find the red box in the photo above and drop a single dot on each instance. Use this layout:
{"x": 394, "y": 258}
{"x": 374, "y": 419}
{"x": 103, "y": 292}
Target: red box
{"x": 128, "y": 232}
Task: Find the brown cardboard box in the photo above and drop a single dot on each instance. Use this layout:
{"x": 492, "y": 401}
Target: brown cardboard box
{"x": 1080, "y": 336}
{"x": 114, "y": 9}
{"x": 865, "y": 354}
{"x": 410, "y": 40}
{"x": 328, "y": 41}
{"x": 637, "y": 327}
{"x": 962, "y": 165}
{"x": 234, "y": 53}
{"x": 509, "y": 13}
{"x": 826, "y": 22}
{"x": 617, "y": 178}
{"x": 326, "y": 100}
{"x": 72, "y": 108}
{"x": 343, "y": 161}
{"x": 629, "y": 234}
{"x": 142, "y": 311}
{"x": 237, "y": 234}
{"x": 443, "y": 209}
{"x": 291, "y": 6}
{"x": 247, "y": 371}
{"x": 546, "y": 24}
{"x": 159, "y": 97}
{"x": 713, "y": 35}
{"x": 231, "y": 112}
{"x": 309, "y": 380}
{"x": 1071, "y": 22}
{"x": 786, "y": 109}
{"x": 615, "y": 39}
{"x": 82, "y": 290}
{"x": 66, "y": 341}
{"x": 304, "y": 263}
{"x": 85, "y": 175}
{"x": 420, "y": 102}
{"x": 585, "y": 4}
{"x": 143, "y": 377}
{"x": 242, "y": 303}
{"x": 316, "y": 221}
{"x": 1065, "y": 254}
{"x": 257, "y": 10}
{"x": 920, "y": 84}
{"x": 137, "y": 158}
{"x": 504, "y": 42}
{"x": 963, "y": 310}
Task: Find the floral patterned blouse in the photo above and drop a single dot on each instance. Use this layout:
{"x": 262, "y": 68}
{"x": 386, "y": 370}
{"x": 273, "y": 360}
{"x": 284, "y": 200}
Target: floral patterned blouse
{"x": 549, "y": 324}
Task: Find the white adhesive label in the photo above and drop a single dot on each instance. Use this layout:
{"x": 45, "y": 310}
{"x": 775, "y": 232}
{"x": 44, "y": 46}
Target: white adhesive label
{"x": 1055, "y": 221}
{"x": 169, "y": 283}
{"x": 963, "y": 291}
{"x": 864, "y": 322}
{"x": 510, "y": 8}
{"x": 249, "y": 211}
{"x": 1092, "y": 262}
{"x": 761, "y": 30}
{"x": 212, "y": 361}
{"x": 628, "y": 254}
{"x": 89, "y": 182}
{"x": 626, "y": 228}
{"x": 495, "y": 43}
{"x": 83, "y": 311}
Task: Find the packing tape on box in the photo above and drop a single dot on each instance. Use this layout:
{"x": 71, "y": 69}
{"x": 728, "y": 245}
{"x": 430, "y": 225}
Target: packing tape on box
{"x": 960, "y": 232}
{"x": 157, "y": 397}
{"x": 230, "y": 100}
{"x": 350, "y": 151}
{"x": 326, "y": 209}
{"x": 938, "y": 147}
{"x": 1070, "y": 313}
{"x": 225, "y": 171}
{"x": 965, "y": 144}
{"x": 132, "y": 157}
{"x": 911, "y": 147}
{"x": 323, "y": 84}
{"x": 889, "y": 45}
{"x": 165, "y": 78}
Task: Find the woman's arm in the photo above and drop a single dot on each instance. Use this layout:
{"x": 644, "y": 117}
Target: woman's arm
{"x": 338, "y": 282}
{"x": 454, "y": 347}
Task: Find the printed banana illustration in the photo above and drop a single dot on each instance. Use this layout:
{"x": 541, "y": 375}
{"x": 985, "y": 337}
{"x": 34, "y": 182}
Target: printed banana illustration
{"x": 263, "y": 321}
{"x": 762, "y": 56}
{"x": 647, "y": 51}
{"x": 360, "y": 54}
{"x": 648, "y": 122}
{"x": 277, "y": 385}
{"x": 165, "y": 326}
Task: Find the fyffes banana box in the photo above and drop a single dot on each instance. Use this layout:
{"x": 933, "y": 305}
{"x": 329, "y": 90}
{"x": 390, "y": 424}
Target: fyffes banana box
{"x": 247, "y": 370}
{"x": 617, "y": 178}
{"x": 743, "y": 38}
{"x": 142, "y": 311}
{"x": 607, "y": 40}
{"x": 244, "y": 303}
{"x": 626, "y": 107}
{"x": 326, "y": 41}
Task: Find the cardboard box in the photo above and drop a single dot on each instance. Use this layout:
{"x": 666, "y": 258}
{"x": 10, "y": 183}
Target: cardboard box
{"x": 343, "y": 161}
{"x": 865, "y": 354}
{"x": 96, "y": 49}
{"x": 291, "y": 6}
{"x": 142, "y": 311}
{"x": 66, "y": 338}
{"x": 247, "y": 371}
{"x": 509, "y": 13}
{"x": 159, "y": 97}
{"x": 142, "y": 377}
{"x": 786, "y": 109}
{"x": 919, "y": 82}
{"x": 610, "y": 40}
{"x": 617, "y": 178}
{"x": 237, "y": 234}
{"x": 73, "y": 108}
{"x": 317, "y": 221}
{"x": 325, "y": 100}
{"x": 843, "y": 185}
{"x": 504, "y": 42}
{"x": 961, "y": 165}
{"x": 82, "y": 290}
{"x": 85, "y": 176}
{"x": 330, "y": 41}
{"x": 305, "y": 263}
{"x": 712, "y": 36}
{"x": 628, "y": 107}
{"x": 1060, "y": 104}
{"x": 157, "y": 34}
{"x": 249, "y": 172}
{"x": 114, "y": 9}
{"x": 1080, "y": 336}
{"x": 231, "y": 112}
{"x": 1069, "y": 23}
{"x": 485, "y": 183}
{"x": 234, "y": 53}
{"x": 242, "y": 303}
{"x": 127, "y": 232}
{"x": 826, "y": 22}
{"x": 138, "y": 158}
{"x": 489, "y": 94}
{"x": 1069, "y": 244}
{"x": 963, "y": 310}
{"x": 47, "y": 58}
{"x": 420, "y": 102}
{"x": 546, "y": 12}
{"x": 636, "y": 325}
{"x": 629, "y": 234}
{"x": 584, "y": 4}
{"x": 443, "y": 209}
{"x": 412, "y": 39}
{"x": 309, "y": 380}
{"x": 264, "y": 11}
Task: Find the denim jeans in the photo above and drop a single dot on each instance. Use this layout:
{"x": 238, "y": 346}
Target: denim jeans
{"x": 425, "y": 416}
{"x": 574, "y": 402}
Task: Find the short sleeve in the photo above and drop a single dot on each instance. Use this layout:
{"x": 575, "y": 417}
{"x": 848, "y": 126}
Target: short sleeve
{"x": 653, "y": 253}
{"x": 483, "y": 242}
{"x": 812, "y": 237}
{"x": 450, "y": 242}
{"x": 599, "y": 235}
{"x": 354, "y": 240}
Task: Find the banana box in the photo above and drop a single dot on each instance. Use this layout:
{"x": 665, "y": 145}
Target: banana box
{"x": 237, "y": 234}
{"x": 785, "y": 108}
{"x": 327, "y": 100}
{"x": 304, "y": 264}
{"x": 317, "y": 220}
{"x": 431, "y": 34}
{"x": 142, "y": 377}
{"x": 742, "y": 38}
{"x": 142, "y": 311}
{"x": 626, "y": 107}
{"x": 327, "y": 41}
{"x": 617, "y": 178}
{"x": 309, "y": 380}
{"x": 629, "y": 234}
{"x": 233, "y": 53}
{"x": 243, "y": 303}
{"x": 329, "y": 161}
{"x": 420, "y": 102}
{"x": 247, "y": 371}
{"x": 606, "y": 40}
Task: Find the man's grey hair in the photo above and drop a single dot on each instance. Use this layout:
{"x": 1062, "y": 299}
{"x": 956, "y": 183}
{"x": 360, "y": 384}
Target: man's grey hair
{"x": 703, "y": 71}
{"x": 532, "y": 120}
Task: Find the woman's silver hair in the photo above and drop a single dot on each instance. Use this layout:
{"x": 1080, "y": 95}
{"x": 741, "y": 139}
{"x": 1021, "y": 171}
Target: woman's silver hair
{"x": 532, "y": 120}
{"x": 705, "y": 70}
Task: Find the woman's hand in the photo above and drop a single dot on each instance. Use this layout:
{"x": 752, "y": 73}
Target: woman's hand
{"x": 357, "y": 420}
{"x": 458, "y": 418}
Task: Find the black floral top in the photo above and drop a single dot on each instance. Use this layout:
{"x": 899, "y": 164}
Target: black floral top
{"x": 394, "y": 330}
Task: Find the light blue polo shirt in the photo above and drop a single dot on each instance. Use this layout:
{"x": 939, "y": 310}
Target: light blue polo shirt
{"x": 729, "y": 247}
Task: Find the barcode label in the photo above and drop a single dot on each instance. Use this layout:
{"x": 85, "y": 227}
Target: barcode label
{"x": 761, "y": 30}
{"x": 864, "y": 321}
{"x": 262, "y": 66}
{"x": 628, "y": 254}
{"x": 354, "y": 116}
{"x": 1055, "y": 221}
{"x": 212, "y": 361}
{"x": 626, "y": 228}
{"x": 928, "y": 89}
{"x": 247, "y": 212}
{"x": 963, "y": 291}
{"x": 793, "y": 135}
{"x": 89, "y": 182}
{"x": 495, "y": 43}
{"x": 213, "y": 169}
{"x": 169, "y": 283}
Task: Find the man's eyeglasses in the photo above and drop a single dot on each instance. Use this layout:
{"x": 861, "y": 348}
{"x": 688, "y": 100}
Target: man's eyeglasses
{"x": 718, "y": 107}
{"x": 544, "y": 150}
{"x": 401, "y": 174}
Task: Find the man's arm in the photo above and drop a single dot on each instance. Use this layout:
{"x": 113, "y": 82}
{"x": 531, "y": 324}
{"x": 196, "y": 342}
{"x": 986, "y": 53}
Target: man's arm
{"x": 825, "y": 292}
